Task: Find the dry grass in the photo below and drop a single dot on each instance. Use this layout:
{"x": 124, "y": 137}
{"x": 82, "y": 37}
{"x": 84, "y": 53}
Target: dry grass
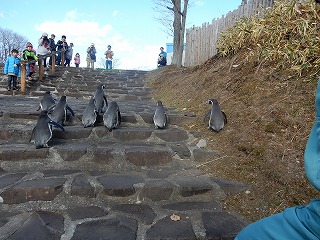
{"x": 269, "y": 119}
{"x": 288, "y": 36}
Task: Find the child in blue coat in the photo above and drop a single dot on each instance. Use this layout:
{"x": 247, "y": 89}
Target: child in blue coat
{"x": 300, "y": 222}
{"x": 12, "y": 68}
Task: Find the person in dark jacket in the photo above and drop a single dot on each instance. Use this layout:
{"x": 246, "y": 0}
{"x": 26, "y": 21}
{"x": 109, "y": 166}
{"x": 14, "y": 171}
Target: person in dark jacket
{"x": 52, "y": 45}
{"x": 61, "y": 46}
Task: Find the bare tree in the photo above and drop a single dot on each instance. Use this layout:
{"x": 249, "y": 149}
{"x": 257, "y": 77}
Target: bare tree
{"x": 10, "y": 40}
{"x": 115, "y": 63}
{"x": 178, "y": 12}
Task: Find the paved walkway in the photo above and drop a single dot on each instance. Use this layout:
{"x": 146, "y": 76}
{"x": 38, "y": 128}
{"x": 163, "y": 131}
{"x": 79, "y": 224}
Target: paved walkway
{"x": 132, "y": 183}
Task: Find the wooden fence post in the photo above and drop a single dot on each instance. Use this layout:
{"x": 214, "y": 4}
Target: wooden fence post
{"x": 23, "y": 77}
{"x": 41, "y": 70}
{"x": 53, "y": 62}
{"x": 62, "y": 58}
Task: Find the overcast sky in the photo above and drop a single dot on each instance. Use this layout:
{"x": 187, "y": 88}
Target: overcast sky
{"x": 129, "y": 26}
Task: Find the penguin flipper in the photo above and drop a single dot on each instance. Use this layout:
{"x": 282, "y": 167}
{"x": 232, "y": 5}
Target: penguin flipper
{"x": 70, "y": 110}
{"x": 32, "y": 134}
{"x": 166, "y": 119}
{"x": 206, "y": 115}
{"x": 105, "y": 100}
{"x": 119, "y": 117}
{"x": 225, "y": 117}
{"x": 57, "y": 124}
{"x": 50, "y": 110}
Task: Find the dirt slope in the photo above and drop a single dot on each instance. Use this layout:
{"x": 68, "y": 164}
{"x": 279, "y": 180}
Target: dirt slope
{"x": 269, "y": 115}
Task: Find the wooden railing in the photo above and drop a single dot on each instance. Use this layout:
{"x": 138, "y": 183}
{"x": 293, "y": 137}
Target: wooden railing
{"x": 201, "y": 41}
{"x": 23, "y": 64}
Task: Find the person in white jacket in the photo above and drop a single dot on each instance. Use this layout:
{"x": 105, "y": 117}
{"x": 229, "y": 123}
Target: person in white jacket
{"x": 44, "y": 47}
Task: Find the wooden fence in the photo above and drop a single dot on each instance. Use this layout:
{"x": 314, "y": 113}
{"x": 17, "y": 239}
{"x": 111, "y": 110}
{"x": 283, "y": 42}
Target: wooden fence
{"x": 200, "y": 41}
{"x": 24, "y": 63}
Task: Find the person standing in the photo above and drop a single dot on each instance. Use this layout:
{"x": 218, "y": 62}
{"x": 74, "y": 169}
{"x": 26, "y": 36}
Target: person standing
{"x": 162, "y": 59}
{"x": 91, "y": 56}
{"x": 43, "y": 48}
{"x": 53, "y": 46}
{"x": 30, "y": 54}
{"x": 61, "y": 46}
{"x": 12, "y": 68}
{"x": 109, "y": 56}
{"x": 77, "y": 60}
{"x": 69, "y": 54}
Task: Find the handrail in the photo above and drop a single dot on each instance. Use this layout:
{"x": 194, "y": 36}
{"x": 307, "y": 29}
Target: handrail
{"x": 23, "y": 64}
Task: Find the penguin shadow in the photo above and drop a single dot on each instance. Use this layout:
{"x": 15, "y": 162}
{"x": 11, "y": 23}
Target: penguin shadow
{"x": 217, "y": 118}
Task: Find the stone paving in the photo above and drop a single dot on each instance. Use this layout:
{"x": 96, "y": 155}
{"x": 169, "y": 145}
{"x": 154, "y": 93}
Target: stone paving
{"x": 135, "y": 182}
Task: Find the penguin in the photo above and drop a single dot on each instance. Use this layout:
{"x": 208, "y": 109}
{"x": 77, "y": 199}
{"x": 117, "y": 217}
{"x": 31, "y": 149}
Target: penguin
{"x": 42, "y": 132}
{"x": 217, "y": 118}
{"x": 159, "y": 117}
{"x": 112, "y": 116}
{"x": 59, "y": 113}
{"x": 47, "y": 102}
{"x": 100, "y": 98}
{"x": 89, "y": 115}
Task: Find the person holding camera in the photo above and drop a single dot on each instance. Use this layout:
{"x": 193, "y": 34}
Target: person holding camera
{"x": 43, "y": 48}
{"x": 91, "y": 56}
{"x": 61, "y": 46}
{"x": 109, "y": 56}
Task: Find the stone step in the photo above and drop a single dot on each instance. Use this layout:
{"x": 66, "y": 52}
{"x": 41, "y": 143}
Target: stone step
{"x": 47, "y": 185}
{"x": 135, "y": 182}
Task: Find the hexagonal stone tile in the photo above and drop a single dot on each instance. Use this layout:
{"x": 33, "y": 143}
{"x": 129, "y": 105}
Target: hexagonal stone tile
{"x": 131, "y": 134}
{"x": 10, "y": 179}
{"x": 103, "y": 155}
{"x": 186, "y": 206}
{"x": 71, "y": 132}
{"x": 57, "y": 173}
{"x": 172, "y": 135}
{"x": 120, "y": 185}
{"x": 72, "y": 152}
{"x": 81, "y": 187}
{"x": 182, "y": 151}
{"x": 147, "y": 156}
{"x": 180, "y": 120}
{"x": 221, "y": 225}
{"x": 167, "y": 229}
{"x": 107, "y": 229}
{"x": 190, "y": 185}
{"x": 147, "y": 117}
{"x": 2, "y": 171}
{"x": 230, "y": 187}
{"x": 41, "y": 225}
{"x": 34, "y": 190}
{"x": 157, "y": 190}
{"x": 141, "y": 211}
{"x": 18, "y": 152}
{"x": 78, "y": 213}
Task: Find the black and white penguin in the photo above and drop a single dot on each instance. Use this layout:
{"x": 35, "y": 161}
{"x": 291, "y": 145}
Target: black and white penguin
{"x": 89, "y": 115}
{"x": 217, "y": 118}
{"x": 59, "y": 113}
{"x": 160, "y": 117}
{"x": 112, "y": 116}
{"x": 42, "y": 132}
{"x": 100, "y": 98}
{"x": 47, "y": 102}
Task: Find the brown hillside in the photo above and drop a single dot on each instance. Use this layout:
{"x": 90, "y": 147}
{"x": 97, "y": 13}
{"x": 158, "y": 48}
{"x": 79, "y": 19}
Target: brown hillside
{"x": 270, "y": 115}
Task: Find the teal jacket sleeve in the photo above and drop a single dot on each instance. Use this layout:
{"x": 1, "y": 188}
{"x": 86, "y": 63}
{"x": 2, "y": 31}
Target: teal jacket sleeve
{"x": 312, "y": 152}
